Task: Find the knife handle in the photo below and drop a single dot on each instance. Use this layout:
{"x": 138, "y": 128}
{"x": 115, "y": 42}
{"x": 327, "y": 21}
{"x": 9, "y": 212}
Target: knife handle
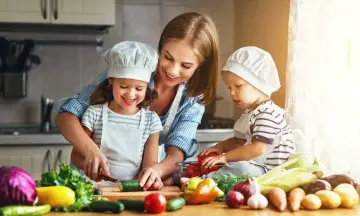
{"x": 108, "y": 178}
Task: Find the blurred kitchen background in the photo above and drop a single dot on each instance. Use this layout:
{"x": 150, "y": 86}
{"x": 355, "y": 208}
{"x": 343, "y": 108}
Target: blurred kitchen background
{"x": 50, "y": 49}
{"x": 65, "y": 67}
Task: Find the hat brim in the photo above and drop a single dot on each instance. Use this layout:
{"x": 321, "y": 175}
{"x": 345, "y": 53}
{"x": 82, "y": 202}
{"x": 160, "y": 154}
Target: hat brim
{"x": 130, "y": 73}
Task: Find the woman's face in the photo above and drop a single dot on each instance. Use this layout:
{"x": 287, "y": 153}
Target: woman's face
{"x": 177, "y": 63}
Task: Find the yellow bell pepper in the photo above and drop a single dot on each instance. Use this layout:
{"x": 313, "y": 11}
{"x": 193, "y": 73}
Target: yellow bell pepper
{"x": 55, "y": 196}
{"x": 205, "y": 192}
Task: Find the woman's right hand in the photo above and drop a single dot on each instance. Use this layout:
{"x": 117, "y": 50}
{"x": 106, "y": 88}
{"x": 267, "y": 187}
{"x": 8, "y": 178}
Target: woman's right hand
{"x": 209, "y": 150}
{"x": 95, "y": 161}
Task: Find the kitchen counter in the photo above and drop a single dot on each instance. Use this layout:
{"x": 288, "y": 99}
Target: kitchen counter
{"x": 206, "y": 135}
{"x": 221, "y": 209}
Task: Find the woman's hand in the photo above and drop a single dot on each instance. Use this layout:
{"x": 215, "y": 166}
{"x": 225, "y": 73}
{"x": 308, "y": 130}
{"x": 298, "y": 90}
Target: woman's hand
{"x": 209, "y": 162}
{"x": 94, "y": 162}
{"x": 211, "y": 149}
{"x": 150, "y": 179}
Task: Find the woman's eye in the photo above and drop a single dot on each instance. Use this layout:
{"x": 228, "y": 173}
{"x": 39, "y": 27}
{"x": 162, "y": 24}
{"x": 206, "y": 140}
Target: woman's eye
{"x": 238, "y": 86}
{"x": 168, "y": 57}
{"x": 186, "y": 66}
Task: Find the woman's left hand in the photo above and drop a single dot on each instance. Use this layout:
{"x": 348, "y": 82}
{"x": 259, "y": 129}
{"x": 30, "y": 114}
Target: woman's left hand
{"x": 150, "y": 179}
{"x": 209, "y": 162}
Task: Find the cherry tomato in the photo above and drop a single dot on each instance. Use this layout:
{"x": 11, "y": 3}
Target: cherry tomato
{"x": 193, "y": 170}
{"x": 155, "y": 203}
{"x": 202, "y": 158}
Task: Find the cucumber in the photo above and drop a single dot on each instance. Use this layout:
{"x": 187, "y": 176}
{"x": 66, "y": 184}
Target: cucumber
{"x": 18, "y": 210}
{"x": 135, "y": 205}
{"x": 175, "y": 204}
{"x": 129, "y": 185}
{"x": 97, "y": 191}
{"x": 106, "y": 206}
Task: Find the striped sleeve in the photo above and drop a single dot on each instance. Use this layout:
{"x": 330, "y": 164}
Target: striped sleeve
{"x": 155, "y": 125}
{"x": 81, "y": 101}
{"x": 90, "y": 117}
{"x": 182, "y": 134}
{"x": 266, "y": 125}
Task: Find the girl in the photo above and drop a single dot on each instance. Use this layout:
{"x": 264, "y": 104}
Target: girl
{"x": 126, "y": 132}
{"x": 185, "y": 80}
{"x": 262, "y": 138}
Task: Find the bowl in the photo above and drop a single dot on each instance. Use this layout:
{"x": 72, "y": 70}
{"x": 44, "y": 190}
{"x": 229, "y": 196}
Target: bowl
{"x": 182, "y": 171}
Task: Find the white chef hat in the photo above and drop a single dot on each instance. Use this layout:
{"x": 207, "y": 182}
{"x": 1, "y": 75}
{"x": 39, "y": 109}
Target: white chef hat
{"x": 256, "y": 66}
{"x": 131, "y": 60}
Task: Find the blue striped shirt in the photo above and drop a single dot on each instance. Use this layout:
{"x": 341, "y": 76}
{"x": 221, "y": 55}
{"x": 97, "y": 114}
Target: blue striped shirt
{"x": 182, "y": 131}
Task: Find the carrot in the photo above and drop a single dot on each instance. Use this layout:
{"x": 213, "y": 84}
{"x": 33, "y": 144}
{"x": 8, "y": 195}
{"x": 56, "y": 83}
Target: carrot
{"x": 277, "y": 197}
{"x": 296, "y": 195}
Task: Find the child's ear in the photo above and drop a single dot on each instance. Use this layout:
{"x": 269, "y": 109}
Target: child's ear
{"x": 110, "y": 81}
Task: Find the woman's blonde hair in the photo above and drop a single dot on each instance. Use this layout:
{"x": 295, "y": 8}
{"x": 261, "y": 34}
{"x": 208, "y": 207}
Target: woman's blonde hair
{"x": 200, "y": 31}
{"x": 103, "y": 93}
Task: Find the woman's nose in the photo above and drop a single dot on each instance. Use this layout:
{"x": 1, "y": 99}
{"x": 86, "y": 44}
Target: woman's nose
{"x": 173, "y": 70}
{"x": 232, "y": 92}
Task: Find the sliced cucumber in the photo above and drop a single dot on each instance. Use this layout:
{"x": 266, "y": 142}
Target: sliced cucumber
{"x": 129, "y": 185}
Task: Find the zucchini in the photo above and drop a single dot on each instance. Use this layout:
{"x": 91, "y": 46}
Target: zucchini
{"x": 18, "y": 210}
{"x": 129, "y": 185}
{"x": 175, "y": 204}
{"x": 106, "y": 206}
{"x": 134, "y": 205}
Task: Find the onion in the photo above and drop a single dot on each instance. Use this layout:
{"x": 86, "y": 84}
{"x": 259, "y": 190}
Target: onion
{"x": 245, "y": 188}
{"x": 234, "y": 199}
{"x": 17, "y": 187}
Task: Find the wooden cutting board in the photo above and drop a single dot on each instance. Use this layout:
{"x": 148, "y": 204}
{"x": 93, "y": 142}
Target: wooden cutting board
{"x": 113, "y": 193}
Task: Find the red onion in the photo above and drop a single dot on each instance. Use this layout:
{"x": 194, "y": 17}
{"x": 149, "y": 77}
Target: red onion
{"x": 234, "y": 199}
{"x": 245, "y": 188}
{"x": 17, "y": 187}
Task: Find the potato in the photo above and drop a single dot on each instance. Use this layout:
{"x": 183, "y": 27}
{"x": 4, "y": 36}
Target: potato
{"x": 311, "y": 202}
{"x": 348, "y": 194}
{"x": 335, "y": 180}
{"x": 329, "y": 199}
{"x": 317, "y": 185}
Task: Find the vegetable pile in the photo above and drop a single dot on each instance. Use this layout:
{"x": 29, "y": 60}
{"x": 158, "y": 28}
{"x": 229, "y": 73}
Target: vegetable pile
{"x": 71, "y": 178}
{"x": 226, "y": 183}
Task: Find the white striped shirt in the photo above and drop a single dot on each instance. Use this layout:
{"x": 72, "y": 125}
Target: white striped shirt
{"x": 268, "y": 125}
{"x": 93, "y": 120}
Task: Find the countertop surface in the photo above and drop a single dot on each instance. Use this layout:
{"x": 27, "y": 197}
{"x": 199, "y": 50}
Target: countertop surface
{"x": 221, "y": 209}
{"x": 203, "y": 136}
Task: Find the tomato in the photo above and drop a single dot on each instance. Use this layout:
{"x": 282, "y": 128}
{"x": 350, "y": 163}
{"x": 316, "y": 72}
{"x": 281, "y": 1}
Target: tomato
{"x": 202, "y": 158}
{"x": 155, "y": 203}
{"x": 193, "y": 170}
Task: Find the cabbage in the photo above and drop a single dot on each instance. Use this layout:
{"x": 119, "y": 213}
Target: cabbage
{"x": 17, "y": 187}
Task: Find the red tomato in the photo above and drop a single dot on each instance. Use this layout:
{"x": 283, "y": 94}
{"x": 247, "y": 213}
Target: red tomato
{"x": 155, "y": 203}
{"x": 202, "y": 158}
{"x": 193, "y": 170}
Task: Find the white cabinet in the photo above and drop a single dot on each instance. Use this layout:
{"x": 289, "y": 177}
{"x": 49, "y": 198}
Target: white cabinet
{"x": 36, "y": 159}
{"x": 24, "y": 11}
{"x": 69, "y": 12}
{"x": 91, "y": 12}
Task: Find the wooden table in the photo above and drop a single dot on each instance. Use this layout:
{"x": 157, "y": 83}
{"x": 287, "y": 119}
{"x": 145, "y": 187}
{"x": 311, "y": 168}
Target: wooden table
{"x": 215, "y": 209}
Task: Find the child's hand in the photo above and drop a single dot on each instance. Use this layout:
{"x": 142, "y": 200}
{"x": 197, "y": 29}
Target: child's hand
{"x": 209, "y": 150}
{"x": 94, "y": 162}
{"x": 209, "y": 162}
{"x": 150, "y": 178}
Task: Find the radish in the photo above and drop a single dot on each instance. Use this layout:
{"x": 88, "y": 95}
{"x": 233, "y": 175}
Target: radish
{"x": 234, "y": 199}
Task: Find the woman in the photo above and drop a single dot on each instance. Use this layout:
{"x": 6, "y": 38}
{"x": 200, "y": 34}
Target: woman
{"x": 185, "y": 80}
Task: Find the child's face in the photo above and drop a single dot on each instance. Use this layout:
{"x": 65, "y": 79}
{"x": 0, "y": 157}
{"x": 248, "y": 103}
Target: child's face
{"x": 242, "y": 93}
{"x": 128, "y": 93}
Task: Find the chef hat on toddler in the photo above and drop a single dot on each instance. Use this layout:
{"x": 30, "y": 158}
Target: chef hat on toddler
{"x": 256, "y": 66}
{"x": 131, "y": 60}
